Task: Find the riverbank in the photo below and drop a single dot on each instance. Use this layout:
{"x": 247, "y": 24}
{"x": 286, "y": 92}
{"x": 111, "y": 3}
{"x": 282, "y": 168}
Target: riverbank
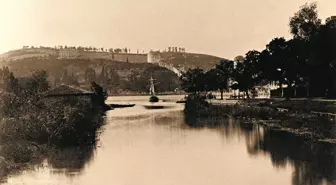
{"x": 146, "y": 94}
{"x": 33, "y": 125}
{"x": 40, "y": 134}
{"x": 294, "y": 116}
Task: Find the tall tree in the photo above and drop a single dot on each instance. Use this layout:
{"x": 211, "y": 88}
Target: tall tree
{"x": 224, "y": 72}
{"x": 193, "y": 80}
{"x": 305, "y": 23}
{"x": 246, "y": 74}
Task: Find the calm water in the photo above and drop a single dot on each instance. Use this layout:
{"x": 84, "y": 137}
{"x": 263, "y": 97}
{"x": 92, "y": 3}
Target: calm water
{"x": 155, "y": 147}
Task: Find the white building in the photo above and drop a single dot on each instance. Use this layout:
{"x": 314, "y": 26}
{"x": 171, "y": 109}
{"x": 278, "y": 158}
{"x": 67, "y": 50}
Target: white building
{"x": 68, "y": 53}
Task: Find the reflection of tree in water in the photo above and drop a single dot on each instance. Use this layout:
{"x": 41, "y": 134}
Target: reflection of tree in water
{"x": 70, "y": 159}
{"x": 25, "y": 157}
{"x": 313, "y": 162}
{"x": 231, "y": 128}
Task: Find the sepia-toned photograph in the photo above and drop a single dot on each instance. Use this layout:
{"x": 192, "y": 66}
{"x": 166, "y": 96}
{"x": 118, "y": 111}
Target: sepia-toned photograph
{"x": 167, "y": 92}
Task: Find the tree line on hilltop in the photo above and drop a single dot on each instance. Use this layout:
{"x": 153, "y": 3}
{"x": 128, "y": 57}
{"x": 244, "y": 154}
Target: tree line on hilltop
{"x": 306, "y": 62}
{"x": 81, "y": 48}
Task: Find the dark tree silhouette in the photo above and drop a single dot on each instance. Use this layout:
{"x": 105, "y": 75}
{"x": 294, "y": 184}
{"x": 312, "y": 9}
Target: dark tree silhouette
{"x": 193, "y": 80}
{"x": 224, "y": 71}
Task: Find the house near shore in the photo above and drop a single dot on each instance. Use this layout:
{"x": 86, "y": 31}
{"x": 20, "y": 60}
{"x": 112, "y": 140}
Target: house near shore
{"x": 262, "y": 91}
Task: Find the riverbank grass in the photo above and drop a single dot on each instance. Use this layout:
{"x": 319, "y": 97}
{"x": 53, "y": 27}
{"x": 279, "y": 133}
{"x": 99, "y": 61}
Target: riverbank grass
{"x": 296, "y": 120}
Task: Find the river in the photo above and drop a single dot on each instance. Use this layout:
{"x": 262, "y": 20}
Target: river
{"x": 155, "y": 147}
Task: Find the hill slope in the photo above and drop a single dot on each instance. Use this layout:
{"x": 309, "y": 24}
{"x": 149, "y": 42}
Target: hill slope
{"x": 179, "y": 60}
{"x": 189, "y": 60}
{"x": 115, "y": 76}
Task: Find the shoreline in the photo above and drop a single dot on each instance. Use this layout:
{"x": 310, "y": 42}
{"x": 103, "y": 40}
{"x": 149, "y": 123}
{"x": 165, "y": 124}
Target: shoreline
{"x": 144, "y": 94}
{"x": 301, "y": 118}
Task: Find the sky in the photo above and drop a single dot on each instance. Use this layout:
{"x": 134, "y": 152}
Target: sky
{"x": 224, "y": 28}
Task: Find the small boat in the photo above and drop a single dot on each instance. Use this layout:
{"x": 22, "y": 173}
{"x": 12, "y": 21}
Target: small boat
{"x": 121, "y": 105}
{"x": 154, "y": 106}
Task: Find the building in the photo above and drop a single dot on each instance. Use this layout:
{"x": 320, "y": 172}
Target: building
{"x": 154, "y": 57}
{"x": 68, "y": 53}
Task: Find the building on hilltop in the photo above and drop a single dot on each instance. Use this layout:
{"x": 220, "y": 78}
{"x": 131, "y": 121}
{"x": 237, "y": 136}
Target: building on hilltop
{"x": 153, "y": 57}
{"x": 176, "y": 49}
{"x": 68, "y": 53}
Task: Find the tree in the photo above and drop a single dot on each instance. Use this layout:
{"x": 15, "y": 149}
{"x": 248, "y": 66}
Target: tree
{"x": 192, "y": 81}
{"x": 295, "y": 65}
{"x": 117, "y": 50}
{"x": 324, "y": 63}
{"x": 305, "y": 23}
{"x": 69, "y": 79}
{"x": 211, "y": 80}
{"x": 246, "y": 74}
{"x": 239, "y": 58}
{"x": 90, "y": 75}
{"x": 33, "y": 86}
{"x": 272, "y": 61}
{"x": 224, "y": 72}
{"x": 113, "y": 79}
{"x": 8, "y": 82}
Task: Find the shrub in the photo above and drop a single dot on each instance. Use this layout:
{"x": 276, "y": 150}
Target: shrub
{"x": 57, "y": 121}
{"x": 153, "y": 99}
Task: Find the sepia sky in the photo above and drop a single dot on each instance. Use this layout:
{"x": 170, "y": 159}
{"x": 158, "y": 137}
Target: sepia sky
{"x": 224, "y": 28}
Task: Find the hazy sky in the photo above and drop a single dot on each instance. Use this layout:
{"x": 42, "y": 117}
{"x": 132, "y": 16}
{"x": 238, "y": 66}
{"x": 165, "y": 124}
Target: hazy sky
{"x": 224, "y": 28}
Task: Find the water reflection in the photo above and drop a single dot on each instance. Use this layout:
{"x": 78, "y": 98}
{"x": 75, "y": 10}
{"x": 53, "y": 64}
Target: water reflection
{"x": 71, "y": 159}
{"x": 159, "y": 148}
{"x": 313, "y": 162}
{"x": 68, "y": 161}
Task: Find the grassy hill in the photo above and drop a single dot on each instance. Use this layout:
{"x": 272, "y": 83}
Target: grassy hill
{"x": 180, "y": 60}
{"x": 125, "y": 73}
{"x": 116, "y": 76}
{"x": 190, "y": 60}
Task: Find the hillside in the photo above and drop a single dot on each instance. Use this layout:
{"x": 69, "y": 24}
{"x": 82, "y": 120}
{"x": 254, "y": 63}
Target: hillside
{"x": 179, "y": 60}
{"x": 189, "y": 60}
{"x": 115, "y": 76}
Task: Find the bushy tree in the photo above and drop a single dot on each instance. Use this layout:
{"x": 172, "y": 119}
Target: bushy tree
{"x": 224, "y": 71}
{"x": 192, "y": 81}
{"x": 247, "y": 73}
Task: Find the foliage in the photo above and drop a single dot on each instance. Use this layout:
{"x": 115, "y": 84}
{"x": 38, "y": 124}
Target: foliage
{"x": 28, "y": 115}
{"x": 305, "y": 23}
{"x": 224, "y": 71}
{"x": 306, "y": 61}
{"x": 193, "y": 80}
{"x": 247, "y": 74}
{"x": 153, "y": 99}
{"x": 115, "y": 78}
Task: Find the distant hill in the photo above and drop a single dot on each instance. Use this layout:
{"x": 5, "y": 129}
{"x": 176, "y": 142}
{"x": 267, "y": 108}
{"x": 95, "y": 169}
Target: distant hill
{"x": 189, "y": 60}
{"x": 115, "y": 76}
{"x": 179, "y": 60}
